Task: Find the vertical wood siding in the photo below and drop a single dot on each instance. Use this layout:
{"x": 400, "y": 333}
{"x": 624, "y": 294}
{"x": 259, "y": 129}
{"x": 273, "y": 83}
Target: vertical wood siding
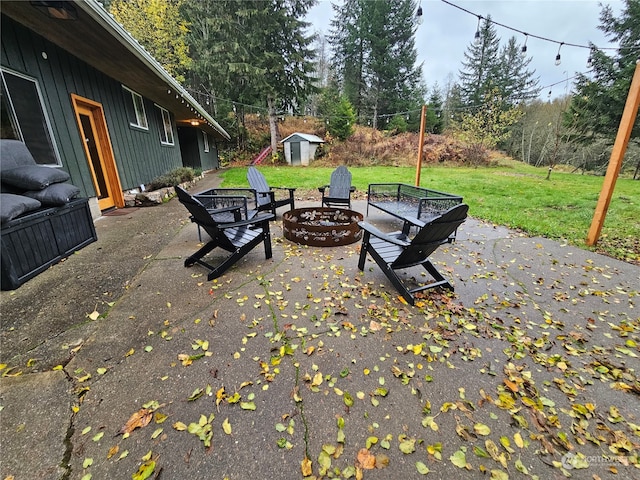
{"x": 138, "y": 154}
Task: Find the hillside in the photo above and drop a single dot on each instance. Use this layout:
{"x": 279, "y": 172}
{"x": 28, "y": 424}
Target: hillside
{"x": 367, "y": 146}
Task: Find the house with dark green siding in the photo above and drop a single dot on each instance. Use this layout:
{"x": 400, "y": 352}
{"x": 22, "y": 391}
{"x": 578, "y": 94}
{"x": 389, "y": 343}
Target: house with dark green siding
{"x": 86, "y": 97}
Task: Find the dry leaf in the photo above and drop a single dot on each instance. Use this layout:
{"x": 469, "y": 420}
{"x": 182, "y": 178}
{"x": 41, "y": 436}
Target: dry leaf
{"x": 305, "y": 466}
{"x": 138, "y": 420}
{"x": 366, "y": 460}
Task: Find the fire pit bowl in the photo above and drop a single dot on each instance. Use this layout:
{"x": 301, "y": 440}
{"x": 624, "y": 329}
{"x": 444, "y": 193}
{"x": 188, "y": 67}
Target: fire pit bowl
{"x": 322, "y": 226}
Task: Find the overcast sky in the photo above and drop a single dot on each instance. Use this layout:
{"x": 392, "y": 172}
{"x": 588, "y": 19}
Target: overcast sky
{"x": 446, "y": 32}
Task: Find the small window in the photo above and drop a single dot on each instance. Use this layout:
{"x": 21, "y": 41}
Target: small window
{"x": 135, "y": 109}
{"x": 166, "y": 127}
{"x": 206, "y": 142}
{"x": 24, "y": 117}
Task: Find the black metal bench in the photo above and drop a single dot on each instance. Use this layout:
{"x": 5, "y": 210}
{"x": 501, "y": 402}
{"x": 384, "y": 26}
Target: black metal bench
{"x": 415, "y": 206}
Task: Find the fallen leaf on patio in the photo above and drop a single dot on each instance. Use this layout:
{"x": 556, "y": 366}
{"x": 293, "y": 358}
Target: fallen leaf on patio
{"x": 422, "y": 468}
{"x": 366, "y": 459}
{"x": 481, "y": 429}
{"x": 407, "y": 445}
{"x": 226, "y": 426}
{"x": 305, "y": 466}
{"x": 145, "y": 470}
{"x": 112, "y": 451}
{"x": 459, "y": 459}
{"x": 138, "y": 420}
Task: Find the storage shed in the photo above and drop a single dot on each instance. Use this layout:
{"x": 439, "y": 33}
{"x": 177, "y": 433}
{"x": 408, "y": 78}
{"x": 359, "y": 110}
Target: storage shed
{"x": 300, "y": 148}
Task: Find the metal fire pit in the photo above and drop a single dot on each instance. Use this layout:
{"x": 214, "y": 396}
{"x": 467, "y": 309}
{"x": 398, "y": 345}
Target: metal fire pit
{"x": 322, "y": 226}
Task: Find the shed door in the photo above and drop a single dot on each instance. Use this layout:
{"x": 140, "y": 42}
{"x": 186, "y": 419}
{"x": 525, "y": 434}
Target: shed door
{"x": 296, "y": 159}
{"x": 97, "y": 148}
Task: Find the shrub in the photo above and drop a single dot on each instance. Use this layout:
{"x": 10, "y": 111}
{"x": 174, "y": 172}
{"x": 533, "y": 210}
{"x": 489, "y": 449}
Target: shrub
{"x": 172, "y": 178}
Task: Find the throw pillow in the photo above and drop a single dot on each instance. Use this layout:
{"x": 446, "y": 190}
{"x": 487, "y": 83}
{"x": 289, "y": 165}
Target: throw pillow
{"x": 33, "y": 177}
{"x": 55, "y": 195}
{"x": 12, "y": 206}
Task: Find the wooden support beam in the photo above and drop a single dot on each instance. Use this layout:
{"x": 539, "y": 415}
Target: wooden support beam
{"x": 423, "y": 121}
{"x": 617, "y": 154}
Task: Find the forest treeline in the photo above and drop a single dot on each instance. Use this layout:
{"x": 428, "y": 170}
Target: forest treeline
{"x": 258, "y": 58}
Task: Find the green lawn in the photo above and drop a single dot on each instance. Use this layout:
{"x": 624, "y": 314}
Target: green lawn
{"x": 515, "y": 195}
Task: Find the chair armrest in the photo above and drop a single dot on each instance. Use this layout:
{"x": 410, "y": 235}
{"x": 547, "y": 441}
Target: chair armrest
{"x": 323, "y": 188}
{"x": 367, "y": 227}
{"x": 254, "y": 221}
{"x": 269, "y": 194}
{"x": 223, "y": 203}
{"x": 291, "y": 189}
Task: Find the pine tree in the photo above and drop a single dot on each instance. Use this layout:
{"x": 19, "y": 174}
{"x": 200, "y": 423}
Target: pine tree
{"x": 337, "y": 112}
{"x": 597, "y": 106}
{"x": 254, "y": 51}
{"x": 374, "y": 56}
{"x": 435, "y": 111}
{"x": 348, "y": 39}
{"x": 487, "y": 66}
{"x": 516, "y": 82}
{"x": 481, "y": 65}
{"x": 391, "y": 64}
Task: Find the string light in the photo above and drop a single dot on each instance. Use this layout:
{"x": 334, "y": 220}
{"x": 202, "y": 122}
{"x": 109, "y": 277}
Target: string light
{"x": 477, "y": 35}
{"x": 523, "y": 50}
{"x": 558, "y": 61}
{"x": 419, "y": 18}
{"x": 539, "y": 37}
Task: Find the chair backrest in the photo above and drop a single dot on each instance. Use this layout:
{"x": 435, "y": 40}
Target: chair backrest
{"x": 340, "y": 186}
{"x": 432, "y": 235}
{"x": 257, "y": 180}
{"x": 259, "y": 184}
{"x": 199, "y": 213}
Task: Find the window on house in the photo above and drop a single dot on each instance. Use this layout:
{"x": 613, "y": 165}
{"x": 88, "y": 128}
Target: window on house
{"x": 206, "y": 142}
{"x": 23, "y": 117}
{"x": 166, "y": 127}
{"x": 135, "y": 109}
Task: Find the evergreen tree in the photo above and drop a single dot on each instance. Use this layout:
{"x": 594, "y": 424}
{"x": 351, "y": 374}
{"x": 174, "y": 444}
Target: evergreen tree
{"x": 374, "y": 56}
{"x": 516, "y": 82}
{"x": 487, "y": 66}
{"x": 481, "y": 66}
{"x": 597, "y": 106}
{"x": 391, "y": 64}
{"x": 435, "y": 111}
{"x": 348, "y": 39}
{"x": 337, "y": 112}
{"x": 254, "y": 51}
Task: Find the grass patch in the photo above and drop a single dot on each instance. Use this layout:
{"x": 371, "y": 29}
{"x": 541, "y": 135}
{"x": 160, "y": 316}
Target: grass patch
{"x": 512, "y": 194}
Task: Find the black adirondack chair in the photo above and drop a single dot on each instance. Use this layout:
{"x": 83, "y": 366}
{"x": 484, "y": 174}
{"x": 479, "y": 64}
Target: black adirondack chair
{"x": 267, "y": 195}
{"x": 339, "y": 190}
{"x": 238, "y": 238}
{"x": 395, "y": 251}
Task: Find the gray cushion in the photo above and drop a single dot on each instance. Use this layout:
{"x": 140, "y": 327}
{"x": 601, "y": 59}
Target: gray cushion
{"x": 13, "y": 205}
{"x": 14, "y": 153}
{"x": 54, "y": 195}
{"x": 33, "y": 177}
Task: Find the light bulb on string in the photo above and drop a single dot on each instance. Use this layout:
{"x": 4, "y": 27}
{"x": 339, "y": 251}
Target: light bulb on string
{"x": 477, "y": 35}
{"x": 558, "y": 61}
{"x": 523, "y": 50}
{"x": 419, "y": 18}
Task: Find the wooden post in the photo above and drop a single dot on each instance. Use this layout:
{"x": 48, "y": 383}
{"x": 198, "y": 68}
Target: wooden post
{"x": 423, "y": 121}
{"x": 617, "y": 154}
